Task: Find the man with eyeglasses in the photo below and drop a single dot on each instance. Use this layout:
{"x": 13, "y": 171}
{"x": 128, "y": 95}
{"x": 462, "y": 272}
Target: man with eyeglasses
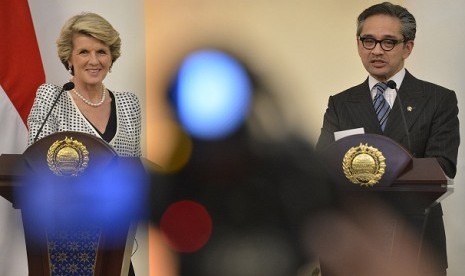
{"x": 385, "y": 39}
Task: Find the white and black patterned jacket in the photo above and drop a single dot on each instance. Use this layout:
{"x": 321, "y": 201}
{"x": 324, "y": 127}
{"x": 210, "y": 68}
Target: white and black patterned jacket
{"x": 66, "y": 116}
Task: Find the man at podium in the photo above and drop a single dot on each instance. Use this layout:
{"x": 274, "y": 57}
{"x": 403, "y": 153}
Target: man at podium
{"x": 421, "y": 116}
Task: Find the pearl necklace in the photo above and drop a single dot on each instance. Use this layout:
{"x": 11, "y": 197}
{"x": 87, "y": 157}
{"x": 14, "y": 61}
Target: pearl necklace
{"x": 89, "y": 102}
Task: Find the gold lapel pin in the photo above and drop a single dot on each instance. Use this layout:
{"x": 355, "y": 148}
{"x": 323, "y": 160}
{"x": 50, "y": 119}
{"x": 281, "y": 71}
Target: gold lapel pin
{"x": 409, "y": 108}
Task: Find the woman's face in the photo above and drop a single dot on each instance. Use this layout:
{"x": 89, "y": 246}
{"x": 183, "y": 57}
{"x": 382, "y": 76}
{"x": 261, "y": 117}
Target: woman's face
{"x": 90, "y": 59}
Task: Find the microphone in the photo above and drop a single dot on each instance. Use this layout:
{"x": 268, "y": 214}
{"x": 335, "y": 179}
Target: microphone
{"x": 393, "y": 85}
{"x": 66, "y": 87}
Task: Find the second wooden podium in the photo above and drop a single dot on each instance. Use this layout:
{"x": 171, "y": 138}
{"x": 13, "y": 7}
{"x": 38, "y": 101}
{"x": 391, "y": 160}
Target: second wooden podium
{"x": 364, "y": 167}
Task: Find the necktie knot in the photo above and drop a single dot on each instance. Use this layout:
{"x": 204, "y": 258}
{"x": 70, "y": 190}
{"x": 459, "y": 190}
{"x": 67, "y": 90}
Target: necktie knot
{"x": 380, "y": 87}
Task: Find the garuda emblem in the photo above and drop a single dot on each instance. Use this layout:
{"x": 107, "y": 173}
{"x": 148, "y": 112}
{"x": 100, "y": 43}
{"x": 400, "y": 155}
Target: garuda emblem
{"x": 67, "y": 157}
{"x": 364, "y": 165}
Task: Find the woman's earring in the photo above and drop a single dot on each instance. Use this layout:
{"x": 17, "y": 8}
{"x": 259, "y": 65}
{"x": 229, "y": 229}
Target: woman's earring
{"x": 70, "y": 69}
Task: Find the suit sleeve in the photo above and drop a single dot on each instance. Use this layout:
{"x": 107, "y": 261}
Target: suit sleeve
{"x": 138, "y": 119}
{"x": 45, "y": 96}
{"x": 444, "y": 137}
{"x": 330, "y": 125}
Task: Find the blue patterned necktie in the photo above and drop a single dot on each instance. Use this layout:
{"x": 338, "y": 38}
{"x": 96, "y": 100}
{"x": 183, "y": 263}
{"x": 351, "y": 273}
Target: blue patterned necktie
{"x": 382, "y": 107}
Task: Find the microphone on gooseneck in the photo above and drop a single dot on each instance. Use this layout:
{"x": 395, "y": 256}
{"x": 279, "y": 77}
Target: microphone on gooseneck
{"x": 393, "y": 85}
{"x": 66, "y": 87}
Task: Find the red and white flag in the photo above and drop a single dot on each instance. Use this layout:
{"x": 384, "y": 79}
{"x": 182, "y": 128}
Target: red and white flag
{"x": 21, "y": 73}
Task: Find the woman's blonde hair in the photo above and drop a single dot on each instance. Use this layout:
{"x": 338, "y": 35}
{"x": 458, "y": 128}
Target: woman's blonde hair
{"x": 89, "y": 24}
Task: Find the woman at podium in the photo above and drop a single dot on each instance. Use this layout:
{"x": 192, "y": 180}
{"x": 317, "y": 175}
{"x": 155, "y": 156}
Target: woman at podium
{"x": 88, "y": 47}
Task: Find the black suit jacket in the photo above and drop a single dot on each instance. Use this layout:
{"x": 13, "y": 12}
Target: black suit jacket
{"x": 431, "y": 113}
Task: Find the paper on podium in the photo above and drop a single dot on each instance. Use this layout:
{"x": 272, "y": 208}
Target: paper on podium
{"x": 344, "y": 133}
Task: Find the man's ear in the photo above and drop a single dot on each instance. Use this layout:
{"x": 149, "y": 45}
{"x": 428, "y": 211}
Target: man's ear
{"x": 408, "y": 47}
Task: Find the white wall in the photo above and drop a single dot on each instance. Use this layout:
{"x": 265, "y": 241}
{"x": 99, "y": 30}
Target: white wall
{"x": 438, "y": 57}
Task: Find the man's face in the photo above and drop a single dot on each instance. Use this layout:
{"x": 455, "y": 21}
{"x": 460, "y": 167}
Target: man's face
{"x": 379, "y": 63}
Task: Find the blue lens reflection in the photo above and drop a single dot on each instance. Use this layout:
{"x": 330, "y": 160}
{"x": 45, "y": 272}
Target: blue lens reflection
{"x": 212, "y": 94}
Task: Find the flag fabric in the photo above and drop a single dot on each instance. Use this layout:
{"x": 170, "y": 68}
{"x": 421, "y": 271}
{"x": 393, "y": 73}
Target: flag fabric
{"x": 21, "y": 73}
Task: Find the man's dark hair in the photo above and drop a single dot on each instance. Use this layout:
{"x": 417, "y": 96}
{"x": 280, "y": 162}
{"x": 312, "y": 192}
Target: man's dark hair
{"x": 407, "y": 20}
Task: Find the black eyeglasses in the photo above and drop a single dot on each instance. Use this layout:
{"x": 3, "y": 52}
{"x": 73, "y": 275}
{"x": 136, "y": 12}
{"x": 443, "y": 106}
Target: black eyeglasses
{"x": 387, "y": 44}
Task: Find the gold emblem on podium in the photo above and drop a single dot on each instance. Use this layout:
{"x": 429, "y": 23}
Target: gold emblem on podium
{"x": 364, "y": 165}
{"x": 67, "y": 157}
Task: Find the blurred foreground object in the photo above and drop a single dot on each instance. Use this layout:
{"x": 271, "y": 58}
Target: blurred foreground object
{"x": 238, "y": 204}
{"x": 257, "y": 195}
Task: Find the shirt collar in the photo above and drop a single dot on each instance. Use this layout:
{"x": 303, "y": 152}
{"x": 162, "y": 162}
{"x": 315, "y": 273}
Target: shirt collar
{"x": 398, "y": 78}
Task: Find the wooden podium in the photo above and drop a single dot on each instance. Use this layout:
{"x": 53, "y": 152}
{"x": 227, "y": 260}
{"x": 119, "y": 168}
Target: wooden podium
{"x": 66, "y": 162}
{"x": 367, "y": 166}
{"x": 405, "y": 178}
